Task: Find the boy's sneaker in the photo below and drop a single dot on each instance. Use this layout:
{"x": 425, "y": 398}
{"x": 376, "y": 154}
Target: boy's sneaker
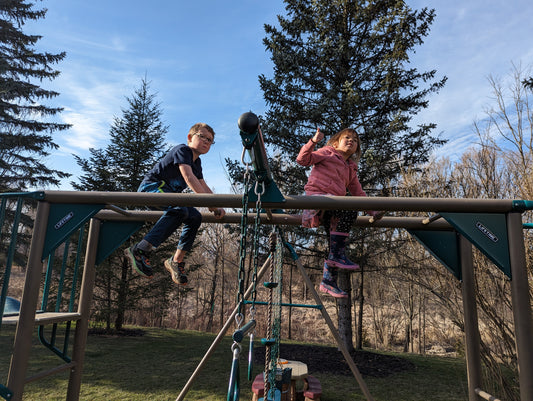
{"x": 177, "y": 271}
{"x": 329, "y": 287}
{"x": 140, "y": 261}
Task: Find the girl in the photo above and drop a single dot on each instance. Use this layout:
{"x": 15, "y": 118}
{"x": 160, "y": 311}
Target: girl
{"x": 334, "y": 172}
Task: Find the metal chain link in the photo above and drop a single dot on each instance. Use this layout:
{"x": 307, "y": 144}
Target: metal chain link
{"x": 255, "y": 244}
{"x": 242, "y": 247}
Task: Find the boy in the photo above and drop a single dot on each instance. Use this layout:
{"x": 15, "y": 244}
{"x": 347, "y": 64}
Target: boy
{"x": 178, "y": 169}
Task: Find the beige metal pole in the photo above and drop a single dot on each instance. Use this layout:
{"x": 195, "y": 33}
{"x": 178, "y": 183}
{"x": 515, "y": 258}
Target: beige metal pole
{"x": 521, "y": 305}
{"x": 486, "y": 396}
{"x": 284, "y": 219}
{"x": 221, "y": 334}
{"x": 84, "y": 308}
{"x": 334, "y": 332}
{"x": 22, "y": 344}
{"x": 291, "y": 202}
{"x": 472, "y": 342}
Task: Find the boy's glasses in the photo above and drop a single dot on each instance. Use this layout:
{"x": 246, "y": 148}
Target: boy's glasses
{"x": 205, "y": 138}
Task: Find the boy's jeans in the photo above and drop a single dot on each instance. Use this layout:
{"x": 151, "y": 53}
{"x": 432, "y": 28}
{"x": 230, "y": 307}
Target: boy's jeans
{"x": 170, "y": 222}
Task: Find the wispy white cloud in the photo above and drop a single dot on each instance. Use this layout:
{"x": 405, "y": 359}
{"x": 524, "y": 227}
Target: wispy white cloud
{"x": 468, "y": 42}
{"x": 94, "y": 96}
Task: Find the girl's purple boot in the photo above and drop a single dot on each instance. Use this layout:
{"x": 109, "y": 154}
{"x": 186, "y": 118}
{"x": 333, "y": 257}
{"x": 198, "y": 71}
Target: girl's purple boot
{"x": 329, "y": 283}
{"x": 337, "y": 256}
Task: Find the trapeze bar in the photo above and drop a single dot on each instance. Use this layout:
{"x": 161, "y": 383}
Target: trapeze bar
{"x": 285, "y": 304}
{"x": 485, "y": 395}
{"x": 294, "y": 202}
{"x": 239, "y": 334}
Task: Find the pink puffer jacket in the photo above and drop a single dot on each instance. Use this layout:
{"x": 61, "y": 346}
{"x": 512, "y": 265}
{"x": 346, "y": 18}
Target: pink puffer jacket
{"x": 331, "y": 174}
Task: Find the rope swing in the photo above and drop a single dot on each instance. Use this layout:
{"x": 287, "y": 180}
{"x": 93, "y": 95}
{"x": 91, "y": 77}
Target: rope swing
{"x": 274, "y": 377}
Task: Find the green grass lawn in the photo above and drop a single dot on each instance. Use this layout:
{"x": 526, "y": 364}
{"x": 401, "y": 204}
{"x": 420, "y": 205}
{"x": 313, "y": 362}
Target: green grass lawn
{"x": 157, "y": 365}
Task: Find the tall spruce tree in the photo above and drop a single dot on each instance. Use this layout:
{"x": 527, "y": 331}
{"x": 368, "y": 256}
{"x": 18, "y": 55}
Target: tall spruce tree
{"x": 25, "y": 136}
{"x": 136, "y": 143}
{"x": 345, "y": 63}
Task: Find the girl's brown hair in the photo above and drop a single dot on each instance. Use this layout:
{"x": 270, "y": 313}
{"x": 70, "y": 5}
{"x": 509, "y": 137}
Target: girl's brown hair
{"x": 350, "y": 131}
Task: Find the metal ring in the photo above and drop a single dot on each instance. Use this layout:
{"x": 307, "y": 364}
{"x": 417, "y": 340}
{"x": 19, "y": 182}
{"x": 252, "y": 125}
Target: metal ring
{"x": 242, "y": 157}
{"x": 262, "y": 186}
{"x": 236, "y": 347}
{"x": 239, "y": 318}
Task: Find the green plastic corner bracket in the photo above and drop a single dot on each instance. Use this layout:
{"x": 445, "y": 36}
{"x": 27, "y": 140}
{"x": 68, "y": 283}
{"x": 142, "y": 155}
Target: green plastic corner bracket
{"x": 443, "y": 245}
{"x": 486, "y": 231}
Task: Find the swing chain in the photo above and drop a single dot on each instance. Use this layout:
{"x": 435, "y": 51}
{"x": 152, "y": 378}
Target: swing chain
{"x": 255, "y": 244}
{"x": 242, "y": 248}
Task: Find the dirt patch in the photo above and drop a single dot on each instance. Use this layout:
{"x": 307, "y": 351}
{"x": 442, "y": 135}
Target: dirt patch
{"x": 321, "y": 359}
{"x": 318, "y": 358}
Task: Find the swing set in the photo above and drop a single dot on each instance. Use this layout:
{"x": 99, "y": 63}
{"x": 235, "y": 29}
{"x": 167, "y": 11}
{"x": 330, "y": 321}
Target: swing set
{"x": 494, "y": 226}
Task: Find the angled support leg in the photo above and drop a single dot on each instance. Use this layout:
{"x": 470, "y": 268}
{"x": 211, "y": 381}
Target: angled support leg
{"x": 221, "y": 334}
{"x": 472, "y": 342}
{"x": 84, "y": 308}
{"x": 334, "y": 332}
{"x": 521, "y": 305}
{"x": 22, "y": 345}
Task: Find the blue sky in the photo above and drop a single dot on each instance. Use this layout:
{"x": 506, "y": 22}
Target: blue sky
{"x": 203, "y": 58}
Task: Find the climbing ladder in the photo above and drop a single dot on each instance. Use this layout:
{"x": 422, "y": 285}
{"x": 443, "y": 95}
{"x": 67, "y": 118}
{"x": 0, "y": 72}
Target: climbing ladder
{"x": 63, "y": 314}
{"x": 51, "y": 314}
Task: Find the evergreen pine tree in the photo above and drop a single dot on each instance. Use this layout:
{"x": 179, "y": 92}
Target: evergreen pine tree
{"x": 345, "y": 63}
{"x": 25, "y": 138}
{"x": 136, "y": 143}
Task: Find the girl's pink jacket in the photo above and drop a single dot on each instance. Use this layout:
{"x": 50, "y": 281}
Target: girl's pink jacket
{"x": 331, "y": 174}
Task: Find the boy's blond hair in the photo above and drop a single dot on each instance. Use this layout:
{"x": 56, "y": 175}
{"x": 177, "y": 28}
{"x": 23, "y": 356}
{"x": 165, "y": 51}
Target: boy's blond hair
{"x": 350, "y": 131}
{"x": 198, "y": 126}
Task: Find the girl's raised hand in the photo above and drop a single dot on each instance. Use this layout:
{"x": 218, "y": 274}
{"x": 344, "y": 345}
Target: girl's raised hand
{"x": 319, "y": 135}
